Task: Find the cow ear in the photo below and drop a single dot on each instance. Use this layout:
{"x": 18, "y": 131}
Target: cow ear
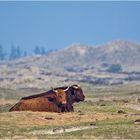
{"x": 51, "y": 99}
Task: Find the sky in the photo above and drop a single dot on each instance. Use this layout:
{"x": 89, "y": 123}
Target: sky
{"x": 55, "y": 25}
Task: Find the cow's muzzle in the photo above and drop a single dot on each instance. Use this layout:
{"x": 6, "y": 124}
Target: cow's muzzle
{"x": 64, "y": 102}
{"x": 80, "y": 99}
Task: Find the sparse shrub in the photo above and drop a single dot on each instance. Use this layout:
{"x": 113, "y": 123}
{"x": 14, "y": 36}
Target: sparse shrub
{"x": 115, "y": 68}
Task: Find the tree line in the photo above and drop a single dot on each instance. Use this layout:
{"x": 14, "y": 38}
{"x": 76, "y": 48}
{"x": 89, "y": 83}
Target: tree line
{"x": 16, "y": 52}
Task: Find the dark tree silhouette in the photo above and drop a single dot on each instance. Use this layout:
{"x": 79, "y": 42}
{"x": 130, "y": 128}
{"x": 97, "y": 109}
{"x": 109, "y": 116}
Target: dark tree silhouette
{"x": 12, "y": 52}
{"x": 37, "y": 50}
{"x": 15, "y": 52}
{"x": 2, "y": 53}
{"x": 43, "y": 51}
{"x": 18, "y": 52}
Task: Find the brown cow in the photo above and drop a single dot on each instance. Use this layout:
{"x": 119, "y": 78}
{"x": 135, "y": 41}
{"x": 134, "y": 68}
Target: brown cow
{"x": 74, "y": 94}
{"x": 60, "y": 99}
{"x": 51, "y": 101}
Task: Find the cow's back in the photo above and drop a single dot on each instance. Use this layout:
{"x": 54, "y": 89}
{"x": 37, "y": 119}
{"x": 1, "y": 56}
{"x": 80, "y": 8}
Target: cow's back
{"x": 36, "y": 103}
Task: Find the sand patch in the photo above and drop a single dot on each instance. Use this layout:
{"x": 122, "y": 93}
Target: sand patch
{"x": 60, "y": 130}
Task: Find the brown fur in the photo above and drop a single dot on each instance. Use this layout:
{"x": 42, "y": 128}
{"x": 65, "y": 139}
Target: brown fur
{"x": 49, "y": 101}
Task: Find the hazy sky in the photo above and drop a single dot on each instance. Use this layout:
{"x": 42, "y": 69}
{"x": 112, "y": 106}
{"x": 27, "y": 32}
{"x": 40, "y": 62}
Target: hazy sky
{"x": 55, "y": 25}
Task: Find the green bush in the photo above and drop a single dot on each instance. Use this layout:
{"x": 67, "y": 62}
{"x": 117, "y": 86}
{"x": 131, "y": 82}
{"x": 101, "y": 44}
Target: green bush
{"x": 114, "y": 68}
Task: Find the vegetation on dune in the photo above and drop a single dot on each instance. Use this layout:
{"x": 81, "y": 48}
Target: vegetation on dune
{"x": 115, "y": 68}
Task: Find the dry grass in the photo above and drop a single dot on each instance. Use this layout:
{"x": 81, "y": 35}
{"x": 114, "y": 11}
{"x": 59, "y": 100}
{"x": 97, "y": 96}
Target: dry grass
{"x": 27, "y": 118}
{"x": 4, "y": 101}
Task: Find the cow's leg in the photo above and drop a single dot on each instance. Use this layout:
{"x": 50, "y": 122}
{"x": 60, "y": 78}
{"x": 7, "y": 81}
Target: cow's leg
{"x": 63, "y": 108}
{"x": 70, "y": 108}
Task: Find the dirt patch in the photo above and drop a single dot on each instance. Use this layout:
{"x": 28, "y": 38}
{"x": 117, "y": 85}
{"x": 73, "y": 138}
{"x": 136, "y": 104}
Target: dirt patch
{"x": 132, "y": 106}
{"x": 60, "y": 130}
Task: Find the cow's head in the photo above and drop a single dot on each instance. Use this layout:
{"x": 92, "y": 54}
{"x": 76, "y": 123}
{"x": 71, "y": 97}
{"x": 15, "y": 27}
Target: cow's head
{"x": 75, "y": 93}
{"x": 59, "y": 98}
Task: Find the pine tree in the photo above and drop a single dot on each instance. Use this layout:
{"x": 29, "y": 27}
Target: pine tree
{"x": 2, "y": 54}
{"x": 12, "y": 52}
{"x": 15, "y": 52}
{"x": 43, "y": 51}
{"x": 37, "y": 50}
{"x": 18, "y": 52}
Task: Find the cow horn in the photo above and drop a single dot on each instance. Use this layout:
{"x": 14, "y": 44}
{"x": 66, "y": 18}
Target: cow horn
{"x": 76, "y": 86}
{"x": 66, "y": 89}
{"x": 55, "y": 91}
